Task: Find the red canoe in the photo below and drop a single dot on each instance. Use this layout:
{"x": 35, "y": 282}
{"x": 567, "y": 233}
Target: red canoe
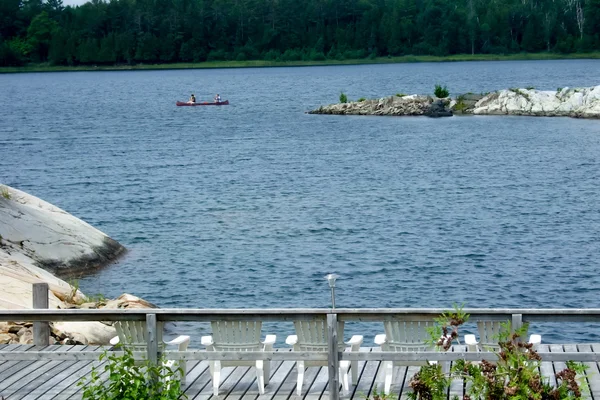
{"x": 219, "y": 103}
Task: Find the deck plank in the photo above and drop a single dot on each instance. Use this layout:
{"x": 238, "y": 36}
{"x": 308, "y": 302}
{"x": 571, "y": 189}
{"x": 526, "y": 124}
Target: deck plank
{"x": 367, "y": 376}
{"x": 546, "y": 367}
{"x": 19, "y": 370}
{"x": 585, "y": 392}
{"x": 31, "y": 380}
{"x": 68, "y": 387}
{"x": 201, "y": 379}
{"x": 593, "y": 372}
{"x": 34, "y": 375}
{"x": 207, "y": 391}
{"x": 46, "y": 387}
{"x": 248, "y": 389}
{"x": 239, "y": 376}
{"x": 278, "y": 378}
{"x": 457, "y": 385}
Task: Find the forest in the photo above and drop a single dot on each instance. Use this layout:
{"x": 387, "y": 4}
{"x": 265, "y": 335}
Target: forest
{"x": 170, "y": 31}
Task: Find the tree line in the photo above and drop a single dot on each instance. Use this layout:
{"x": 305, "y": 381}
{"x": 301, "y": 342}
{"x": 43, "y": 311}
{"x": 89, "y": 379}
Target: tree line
{"x": 167, "y": 31}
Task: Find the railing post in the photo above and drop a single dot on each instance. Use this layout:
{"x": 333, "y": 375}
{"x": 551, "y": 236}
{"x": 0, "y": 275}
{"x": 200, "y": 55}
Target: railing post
{"x": 517, "y": 322}
{"x": 152, "y": 344}
{"x": 41, "y": 329}
{"x": 333, "y": 357}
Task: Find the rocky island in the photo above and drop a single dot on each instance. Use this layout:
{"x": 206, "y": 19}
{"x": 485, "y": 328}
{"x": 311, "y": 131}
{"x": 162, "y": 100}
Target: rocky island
{"x": 564, "y": 102}
{"x": 39, "y": 241}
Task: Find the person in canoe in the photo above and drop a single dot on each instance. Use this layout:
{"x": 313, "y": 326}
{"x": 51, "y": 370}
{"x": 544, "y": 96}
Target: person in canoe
{"x": 217, "y": 98}
{"x": 192, "y": 99}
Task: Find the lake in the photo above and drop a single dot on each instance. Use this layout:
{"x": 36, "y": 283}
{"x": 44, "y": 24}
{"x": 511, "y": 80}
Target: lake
{"x": 252, "y": 204}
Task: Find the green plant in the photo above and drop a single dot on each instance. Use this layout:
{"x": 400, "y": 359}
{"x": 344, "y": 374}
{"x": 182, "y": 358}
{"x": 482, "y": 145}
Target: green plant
{"x": 430, "y": 383}
{"x": 5, "y": 193}
{"x": 343, "y": 98}
{"x": 400, "y": 95}
{"x": 127, "y": 379}
{"x": 441, "y": 91}
{"x": 361, "y": 99}
{"x": 376, "y": 395}
{"x": 514, "y": 376}
{"x": 516, "y": 373}
{"x": 530, "y": 88}
{"x": 559, "y": 89}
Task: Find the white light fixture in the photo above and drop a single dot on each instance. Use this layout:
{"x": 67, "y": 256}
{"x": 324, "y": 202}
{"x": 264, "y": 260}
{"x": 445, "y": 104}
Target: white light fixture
{"x": 331, "y": 279}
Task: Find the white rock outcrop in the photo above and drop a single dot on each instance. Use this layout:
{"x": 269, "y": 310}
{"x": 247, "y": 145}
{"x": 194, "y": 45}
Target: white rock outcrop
{"x": 567, "y": 102}
{"x": 393, "y": 105}
{"x": 50, "y": 237}
{"x": 37, "y": 239}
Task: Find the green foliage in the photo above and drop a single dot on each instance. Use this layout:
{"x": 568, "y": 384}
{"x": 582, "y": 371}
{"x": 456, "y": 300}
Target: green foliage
{"x": 400, "y": 94}
{"x": 376, "y": 395}
{"x": 127, "y": 379}
{"x": 343, "y": 98}
{"x": 361, "y": 99}
{"x": 429, "y": 383}
{"x": 514, "y": 376}
{"x": 530, "y": 88}
{"x": 4, "y": 192}
{"x": 124, "y": 31}
{"x": 441, "y": 91}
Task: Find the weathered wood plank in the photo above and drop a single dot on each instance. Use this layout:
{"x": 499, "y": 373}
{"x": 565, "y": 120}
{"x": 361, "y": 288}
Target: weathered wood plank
{"x": 14, "y": 368}
{"x": 54, "y": 379}
{"x": 22, "y": 372}
{"x": 207, "y": 391}
{"x": 456, "y": 386}
{"x": 41, "y": 329}
{"x": 238, "y": 377}
{"x": 546, "y": 368}
{"x": 593, "y": 372}
{"x": 68, "y": 387}
{"x": 251, "y": 391}
{"x": 43, "y": 386}
{"x": 197, "y": 380}
{"x": 31, "y": 377}
{"x": 586, "y": 394}
{"x": 317, "y": 389}
{"x": 368, "y": 374}
{"x": 278, "y": 379}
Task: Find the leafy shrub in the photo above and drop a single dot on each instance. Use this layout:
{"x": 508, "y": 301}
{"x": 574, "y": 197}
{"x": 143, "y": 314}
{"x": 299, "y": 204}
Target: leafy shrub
{"x": 400, "y": 94}
{"x": 441, "y": 91}
{"x": 343, "y": 98}
{"x": 530, "y": 88}
{"x": 514, "y": 376}
{"x": 126, "y": 380}
{"x": 361, "y": 99}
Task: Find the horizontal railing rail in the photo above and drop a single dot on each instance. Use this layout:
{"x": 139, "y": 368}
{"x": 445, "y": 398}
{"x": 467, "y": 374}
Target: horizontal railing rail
{"x": 292, "y": 314}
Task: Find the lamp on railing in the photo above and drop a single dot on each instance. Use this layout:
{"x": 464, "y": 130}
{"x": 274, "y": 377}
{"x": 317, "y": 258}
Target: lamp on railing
{"x": 331, "y": 279}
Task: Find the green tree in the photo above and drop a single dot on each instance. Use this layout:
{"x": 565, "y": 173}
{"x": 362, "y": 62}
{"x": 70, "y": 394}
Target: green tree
{"x": 39, "y": 35}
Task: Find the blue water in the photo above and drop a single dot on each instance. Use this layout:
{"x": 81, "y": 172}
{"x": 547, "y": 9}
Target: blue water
{"x": 252, "y": 204}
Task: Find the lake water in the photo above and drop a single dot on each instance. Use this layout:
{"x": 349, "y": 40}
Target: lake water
{"x": 252, "y": 204}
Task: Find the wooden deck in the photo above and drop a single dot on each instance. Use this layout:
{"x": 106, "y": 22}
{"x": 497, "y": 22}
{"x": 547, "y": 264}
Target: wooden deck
{"x": 55, "y": 379}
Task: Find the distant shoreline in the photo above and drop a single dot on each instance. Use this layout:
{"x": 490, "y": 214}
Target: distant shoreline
{"x": 263, "y": 63}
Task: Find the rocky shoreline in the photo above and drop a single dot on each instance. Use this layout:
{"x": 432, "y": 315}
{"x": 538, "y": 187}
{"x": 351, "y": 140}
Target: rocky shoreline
{"x": 565, "y": 102}
{"x": 39, "y": 240}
